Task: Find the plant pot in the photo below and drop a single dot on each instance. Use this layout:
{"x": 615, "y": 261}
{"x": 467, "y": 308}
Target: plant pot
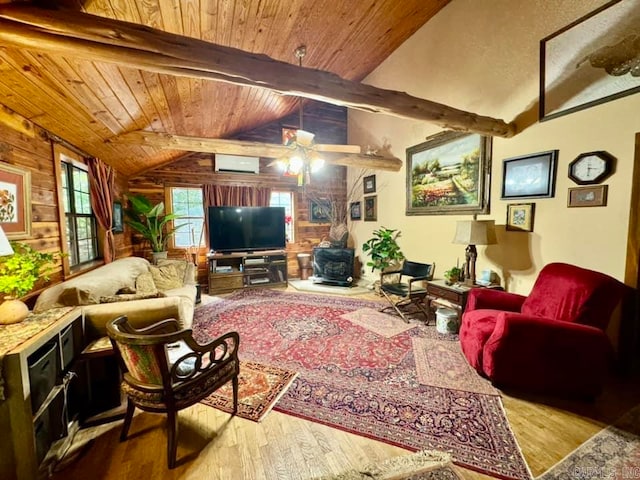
{"x": 158, "y": 256}
{"x": 13, "y": 311}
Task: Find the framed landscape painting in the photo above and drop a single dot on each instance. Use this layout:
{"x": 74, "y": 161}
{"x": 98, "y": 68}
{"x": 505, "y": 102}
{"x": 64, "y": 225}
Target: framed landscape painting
{"x": 15, "y": 201}
{"x": 449, "y": 175}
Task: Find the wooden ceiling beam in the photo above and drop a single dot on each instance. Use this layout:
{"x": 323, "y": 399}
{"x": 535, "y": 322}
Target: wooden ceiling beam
{"x": 253, "y": 149}
{"x": 96, "y": 38}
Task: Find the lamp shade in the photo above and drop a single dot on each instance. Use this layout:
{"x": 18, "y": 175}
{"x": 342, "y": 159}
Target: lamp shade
{"x": 5, "y": 246}
{"x": 475, "y": 232}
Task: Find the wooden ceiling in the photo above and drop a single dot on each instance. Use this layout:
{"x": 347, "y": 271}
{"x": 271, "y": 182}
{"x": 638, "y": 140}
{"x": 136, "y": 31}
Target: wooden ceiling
{"x": 88, "y": 102}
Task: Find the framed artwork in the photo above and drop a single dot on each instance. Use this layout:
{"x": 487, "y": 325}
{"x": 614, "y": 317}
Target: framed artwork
{"x": 369, "y": 184}
{"x": 371, "y": 208}
{"x": 530, "y": 176}
{"x": 592, "y": 196}
{"x": 117, "y": 221}
{"x": 288, "y": 134}
{"x": 355, "y": 211}
{"x": 15, "y": 201}
{"x": 591, "y": 61}
{"x": 449, "y": 174}
{"x": 520, "y": 217}
{"x": 319, "y": 211}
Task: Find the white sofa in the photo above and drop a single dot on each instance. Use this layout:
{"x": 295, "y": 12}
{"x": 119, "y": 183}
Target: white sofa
{"x": 116, "y": 289}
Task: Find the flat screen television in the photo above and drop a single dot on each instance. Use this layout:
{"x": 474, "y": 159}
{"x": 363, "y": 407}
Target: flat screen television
{"x": 246, "y": 229}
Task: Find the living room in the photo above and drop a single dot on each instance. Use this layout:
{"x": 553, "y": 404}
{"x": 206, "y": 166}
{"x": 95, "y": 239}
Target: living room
{"x": 479, "y": 57}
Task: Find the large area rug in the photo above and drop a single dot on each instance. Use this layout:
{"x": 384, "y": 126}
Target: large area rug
{"x": 259, "y": 388}
{"x": 613, "y": 453}
{"x": 356, "y": 380}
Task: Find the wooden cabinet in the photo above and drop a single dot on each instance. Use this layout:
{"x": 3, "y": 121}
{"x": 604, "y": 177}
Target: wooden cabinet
{"x": 229, "y": 272}
{"x": 38, "y": 413}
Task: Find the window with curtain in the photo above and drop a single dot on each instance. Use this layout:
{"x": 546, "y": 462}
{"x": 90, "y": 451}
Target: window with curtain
{"x": 82, "y": 232}
{"x": 187, "y": 202}
{"x": 284, "y": 199}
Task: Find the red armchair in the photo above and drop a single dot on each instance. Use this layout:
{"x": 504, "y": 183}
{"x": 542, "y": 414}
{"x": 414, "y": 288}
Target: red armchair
{"x": 551, "y": 341}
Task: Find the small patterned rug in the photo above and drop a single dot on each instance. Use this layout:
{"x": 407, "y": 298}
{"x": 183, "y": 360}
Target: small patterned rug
{"x": 424, "y": 465}
{"x": 440, "y": 363}
{"x": 612, "y": 453}
{"x": 259, "y": 388}
{"x": 378, "y": 322}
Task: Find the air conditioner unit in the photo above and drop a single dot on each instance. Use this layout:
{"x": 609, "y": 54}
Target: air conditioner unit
{"x": 237, "y": 164}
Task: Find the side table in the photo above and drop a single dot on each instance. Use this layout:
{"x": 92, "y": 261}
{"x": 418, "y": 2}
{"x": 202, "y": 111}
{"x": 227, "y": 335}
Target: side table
{"x": 449, "y": 296}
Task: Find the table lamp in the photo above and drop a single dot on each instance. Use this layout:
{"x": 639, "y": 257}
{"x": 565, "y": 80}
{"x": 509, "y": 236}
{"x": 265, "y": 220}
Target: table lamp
{"x": 471, "y": 233}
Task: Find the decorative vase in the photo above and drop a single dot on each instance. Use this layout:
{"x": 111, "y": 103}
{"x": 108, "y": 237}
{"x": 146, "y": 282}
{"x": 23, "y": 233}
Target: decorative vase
{"x": 158, "y": 256}
{"x": 12, "y": 311}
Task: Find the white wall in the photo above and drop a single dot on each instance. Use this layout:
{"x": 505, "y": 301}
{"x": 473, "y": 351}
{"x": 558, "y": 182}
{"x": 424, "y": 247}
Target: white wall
{"x": 483, "y": 57}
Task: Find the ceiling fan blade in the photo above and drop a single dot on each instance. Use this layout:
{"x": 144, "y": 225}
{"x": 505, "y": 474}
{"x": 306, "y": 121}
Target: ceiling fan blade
{"x": 373, "y": 162}
{"x": 326, "y": 147}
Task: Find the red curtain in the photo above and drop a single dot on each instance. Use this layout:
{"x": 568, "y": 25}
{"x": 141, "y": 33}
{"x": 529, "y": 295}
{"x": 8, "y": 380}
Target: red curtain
{"x": 101, "y": 186}
{"x": 233, "y": 196}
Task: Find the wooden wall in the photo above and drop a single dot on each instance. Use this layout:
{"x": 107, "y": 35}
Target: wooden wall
{"x": 328, "y": 122}
{"x": 26, "y": 146}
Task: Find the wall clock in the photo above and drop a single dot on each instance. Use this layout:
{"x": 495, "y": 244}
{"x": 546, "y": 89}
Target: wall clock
{"x": 591, "y": 168}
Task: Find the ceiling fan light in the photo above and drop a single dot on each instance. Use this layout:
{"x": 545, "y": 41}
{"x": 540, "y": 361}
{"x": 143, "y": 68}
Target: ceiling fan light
{"x": 317, "y": 164}
{"x": 295, "y": 164}
{"x": 304, "y": 138}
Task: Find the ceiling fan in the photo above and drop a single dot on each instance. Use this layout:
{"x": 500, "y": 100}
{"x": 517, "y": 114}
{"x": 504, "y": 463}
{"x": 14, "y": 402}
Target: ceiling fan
{"x": 299, "y": 155}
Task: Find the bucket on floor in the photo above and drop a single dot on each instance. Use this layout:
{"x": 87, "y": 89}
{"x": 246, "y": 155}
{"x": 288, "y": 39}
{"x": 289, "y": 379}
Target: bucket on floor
{"x": 447, "y": 321}
{"x": 304, "y": 263}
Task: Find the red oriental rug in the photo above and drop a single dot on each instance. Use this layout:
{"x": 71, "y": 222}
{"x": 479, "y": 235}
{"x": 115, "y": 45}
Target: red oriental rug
{"x": 356, "y": 380}
{"x": 259, "y": 388}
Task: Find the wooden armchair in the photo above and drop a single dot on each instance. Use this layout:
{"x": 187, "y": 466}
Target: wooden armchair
{"x": 401, "y": 293}
{"x": 166, "y": 370}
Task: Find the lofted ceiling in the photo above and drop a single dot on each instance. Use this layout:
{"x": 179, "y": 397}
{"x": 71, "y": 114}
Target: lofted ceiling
{"x": 88, "y": 102}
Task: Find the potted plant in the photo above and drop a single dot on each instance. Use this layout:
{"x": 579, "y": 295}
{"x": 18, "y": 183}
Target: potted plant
{"x": 452, "y": 275}
{"x": 151, "y": 222}
{"x": 19, "y": 273}
{"x": 383, "y": 249}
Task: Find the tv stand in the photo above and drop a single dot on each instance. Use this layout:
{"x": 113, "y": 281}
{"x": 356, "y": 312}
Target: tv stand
{"x": 233, "y": 271}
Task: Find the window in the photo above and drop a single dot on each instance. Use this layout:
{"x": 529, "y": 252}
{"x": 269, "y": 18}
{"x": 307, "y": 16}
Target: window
{"x": 284, "y": 199}
{"x": 187, "y": 202}
{"x": 82, "y": 233}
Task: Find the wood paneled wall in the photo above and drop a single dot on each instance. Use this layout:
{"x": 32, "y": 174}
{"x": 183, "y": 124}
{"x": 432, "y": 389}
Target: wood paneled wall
{"x": 328, "y": 122}
{"x": 26, "y": 146}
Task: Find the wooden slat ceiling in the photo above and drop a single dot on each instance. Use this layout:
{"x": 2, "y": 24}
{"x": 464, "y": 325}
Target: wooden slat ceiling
{"x": 88, "y": 102}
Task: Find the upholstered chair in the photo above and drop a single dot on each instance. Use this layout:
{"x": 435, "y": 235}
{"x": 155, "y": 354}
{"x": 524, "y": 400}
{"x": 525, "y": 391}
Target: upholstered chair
{"x": 166, "y": 370}
{"x": 551, "y": 341}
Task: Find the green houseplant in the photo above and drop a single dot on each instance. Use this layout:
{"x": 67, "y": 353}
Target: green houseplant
{"x": 383, "y": 249}
{"x": 18, "y": 275}
{"x": 452, "y": 275}
{"x": 150, "y": 221}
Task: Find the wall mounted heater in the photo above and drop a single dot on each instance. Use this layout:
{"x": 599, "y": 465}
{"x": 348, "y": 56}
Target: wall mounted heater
{"x": 237, "y": 164}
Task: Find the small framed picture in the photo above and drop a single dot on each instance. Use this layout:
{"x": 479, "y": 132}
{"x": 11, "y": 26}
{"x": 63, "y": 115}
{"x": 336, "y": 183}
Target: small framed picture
{"x": 15, "y": 201}
{"x": 520, "y": 217}
{"x": 117, "y": 223}
{"x": 355, "y": 210}
{"x": 371, "y": 208}
{"x": 592, "y": 196}
{"x": 530, "y": 176}
{"x": 319, "y": 211}
{"x": 369, "y": 184}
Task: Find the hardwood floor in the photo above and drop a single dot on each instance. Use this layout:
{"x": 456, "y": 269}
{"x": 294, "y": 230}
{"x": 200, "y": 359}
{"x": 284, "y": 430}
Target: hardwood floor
{"x": 212, "y": 445}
